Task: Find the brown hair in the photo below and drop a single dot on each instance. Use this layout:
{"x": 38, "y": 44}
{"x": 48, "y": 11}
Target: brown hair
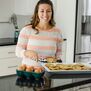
{"x": 35, "y": 18}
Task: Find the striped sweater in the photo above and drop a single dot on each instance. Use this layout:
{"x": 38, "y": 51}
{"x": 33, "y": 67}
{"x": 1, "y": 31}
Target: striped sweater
{"x": 45, "y": 43}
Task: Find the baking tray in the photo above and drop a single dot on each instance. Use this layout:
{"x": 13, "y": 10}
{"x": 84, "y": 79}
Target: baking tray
{"x": 67, "y": 71}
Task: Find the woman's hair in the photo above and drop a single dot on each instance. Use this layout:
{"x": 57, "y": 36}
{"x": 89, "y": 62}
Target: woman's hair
{"x": 35, "y": 18}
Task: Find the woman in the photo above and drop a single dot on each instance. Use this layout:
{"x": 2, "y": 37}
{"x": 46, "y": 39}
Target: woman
{"x": 41, "y": 38}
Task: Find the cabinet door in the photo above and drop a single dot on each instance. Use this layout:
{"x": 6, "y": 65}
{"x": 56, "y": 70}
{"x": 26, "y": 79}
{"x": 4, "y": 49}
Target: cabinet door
{"x": 8, "y": 66}
{"x": 7, "y": 51}
{"x": 24, "y": 7}
{"x": 13, "y": 87}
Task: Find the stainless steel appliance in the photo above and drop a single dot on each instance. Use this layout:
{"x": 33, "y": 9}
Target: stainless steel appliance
{"x": 83, "y": 33}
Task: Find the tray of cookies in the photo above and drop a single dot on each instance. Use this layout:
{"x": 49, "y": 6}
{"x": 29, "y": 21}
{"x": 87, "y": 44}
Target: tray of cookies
{"x": 67, "y": 68}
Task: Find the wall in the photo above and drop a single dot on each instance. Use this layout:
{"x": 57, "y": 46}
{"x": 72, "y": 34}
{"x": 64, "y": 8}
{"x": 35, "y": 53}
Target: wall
{"x": 65, "y": 19}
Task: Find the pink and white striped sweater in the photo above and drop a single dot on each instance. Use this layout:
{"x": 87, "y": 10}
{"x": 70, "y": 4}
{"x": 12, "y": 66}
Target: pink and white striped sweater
{"x": 46, "y": 43}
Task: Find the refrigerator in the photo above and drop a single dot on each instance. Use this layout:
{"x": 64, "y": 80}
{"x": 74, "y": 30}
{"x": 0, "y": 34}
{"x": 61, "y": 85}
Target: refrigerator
{"x": 82, "y": 47}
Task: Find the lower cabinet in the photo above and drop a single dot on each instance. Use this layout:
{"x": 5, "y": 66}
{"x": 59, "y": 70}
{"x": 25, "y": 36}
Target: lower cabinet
{"x": 8, "y": 84}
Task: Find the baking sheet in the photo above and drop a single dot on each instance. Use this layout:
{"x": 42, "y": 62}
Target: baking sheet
{"x": 67, "y": 71}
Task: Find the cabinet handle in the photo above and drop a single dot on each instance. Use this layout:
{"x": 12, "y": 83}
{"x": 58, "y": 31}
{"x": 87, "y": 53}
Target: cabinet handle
{"x": 11, "y": 52}
{"x": 12, "y": 66}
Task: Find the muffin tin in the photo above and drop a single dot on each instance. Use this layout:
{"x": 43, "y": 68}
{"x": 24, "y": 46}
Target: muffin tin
{"x": 29, "y": 74}
{"x": 30, "y": 78}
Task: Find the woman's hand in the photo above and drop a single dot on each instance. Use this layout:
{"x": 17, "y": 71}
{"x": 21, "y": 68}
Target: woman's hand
{"x": 31, "y": 54}
{"x": 51, "y": 59}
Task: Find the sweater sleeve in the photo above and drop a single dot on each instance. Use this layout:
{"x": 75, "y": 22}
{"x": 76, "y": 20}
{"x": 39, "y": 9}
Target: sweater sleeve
{"x": 59, "y": 46}
{"x": 22, "y": 42}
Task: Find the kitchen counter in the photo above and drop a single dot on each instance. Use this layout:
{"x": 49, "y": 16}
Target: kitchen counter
{"x": 67, "y": 76}
{"x": 66, "y": 86}
{"x": 86, "y": 80}
{"x": 52, "y": 75}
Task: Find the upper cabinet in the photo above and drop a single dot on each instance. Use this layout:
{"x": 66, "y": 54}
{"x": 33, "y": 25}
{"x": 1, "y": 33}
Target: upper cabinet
{"x": 24, "y": 7}
{"x": 19, "y": 7}
{"x": 6, "y": 9}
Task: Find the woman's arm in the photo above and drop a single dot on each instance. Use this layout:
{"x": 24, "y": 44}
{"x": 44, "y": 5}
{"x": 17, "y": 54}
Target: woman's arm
{"x": 22, "y": 42}
{"x": 59, "y": 46}
{"x": 21, "y": 47}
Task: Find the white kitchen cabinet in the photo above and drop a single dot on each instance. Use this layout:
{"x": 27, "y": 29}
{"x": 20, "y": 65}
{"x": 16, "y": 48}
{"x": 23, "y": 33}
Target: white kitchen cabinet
{"x": 7, "y": 52}
{"x": 6, "y": 10}
{"x": 24, "y": 7}
{"x": 8, "y": 61}
{"x": 8, "y": 65}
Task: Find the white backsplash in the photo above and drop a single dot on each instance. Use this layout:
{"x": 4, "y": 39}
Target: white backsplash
{"x": 22, "y": 20}
{"x": 6, "y": 30}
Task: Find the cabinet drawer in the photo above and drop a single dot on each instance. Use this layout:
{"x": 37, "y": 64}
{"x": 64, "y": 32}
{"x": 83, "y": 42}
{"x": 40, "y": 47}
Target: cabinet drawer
{"x": 7, "y": 51}
{"x": 9, "y": 66}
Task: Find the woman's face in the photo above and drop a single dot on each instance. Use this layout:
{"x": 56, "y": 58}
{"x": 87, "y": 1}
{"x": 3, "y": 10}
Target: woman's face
{"x": 44, "y": 13}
